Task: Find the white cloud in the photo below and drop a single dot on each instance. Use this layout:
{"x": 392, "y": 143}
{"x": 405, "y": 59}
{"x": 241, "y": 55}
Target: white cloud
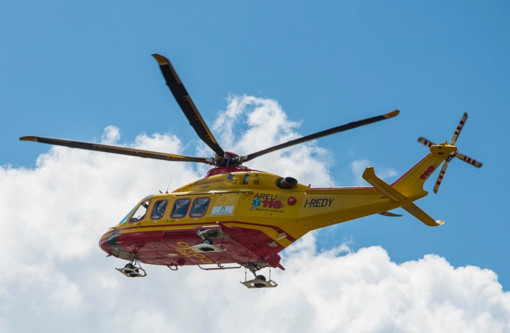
{"x": 55, "y": 278}
{"x": 268, "y": 125}
{"x": 358, "y": 167}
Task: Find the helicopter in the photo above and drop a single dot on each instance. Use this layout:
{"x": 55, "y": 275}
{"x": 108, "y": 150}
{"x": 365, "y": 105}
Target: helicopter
{"x": 238, "y": 217}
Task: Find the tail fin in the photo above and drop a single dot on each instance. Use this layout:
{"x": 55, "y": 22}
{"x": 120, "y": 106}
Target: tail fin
{"x": 411, "y": 183}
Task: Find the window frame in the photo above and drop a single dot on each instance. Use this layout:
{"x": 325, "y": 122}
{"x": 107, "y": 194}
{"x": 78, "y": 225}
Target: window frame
{"x": 154, "y": 207}
{"x": 173, "y": 208}
{"x": 136, "y": 210}
{"x": 206, "y": 208}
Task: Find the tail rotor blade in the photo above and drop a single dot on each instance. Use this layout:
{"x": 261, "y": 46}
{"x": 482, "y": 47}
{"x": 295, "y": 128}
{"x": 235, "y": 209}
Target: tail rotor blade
{"x": 469, "y": 160}
{"x": 440, "y": 177}
{"x": 459, "y": 128}
{"x": 426, "y": 142}
{"x": 448, "y": 158}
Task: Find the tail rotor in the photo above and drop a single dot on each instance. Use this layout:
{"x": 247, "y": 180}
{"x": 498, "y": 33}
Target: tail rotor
{"x": 458, "y": 155}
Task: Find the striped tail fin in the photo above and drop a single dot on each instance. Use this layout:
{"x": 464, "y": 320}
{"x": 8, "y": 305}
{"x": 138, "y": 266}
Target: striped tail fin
{"x": 411, "y": 183}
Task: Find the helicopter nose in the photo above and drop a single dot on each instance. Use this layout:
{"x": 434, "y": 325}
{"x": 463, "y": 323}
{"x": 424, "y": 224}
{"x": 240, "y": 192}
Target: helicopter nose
{"x": 108, "y": 242}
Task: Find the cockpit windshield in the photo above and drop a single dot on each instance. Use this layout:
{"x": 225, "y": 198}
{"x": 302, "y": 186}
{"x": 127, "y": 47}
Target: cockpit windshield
{"x": 126, "y": 217}
{"x": 140, "y": 211}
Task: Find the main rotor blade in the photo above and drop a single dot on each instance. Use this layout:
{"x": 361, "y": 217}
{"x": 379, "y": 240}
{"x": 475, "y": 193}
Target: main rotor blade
{"x": 459, "y": 128}
{"x": 116, "y": 150}
{"x": 321, "y": 134}
{"x": 469, "y": 160}
{"x": 186, "y": 103}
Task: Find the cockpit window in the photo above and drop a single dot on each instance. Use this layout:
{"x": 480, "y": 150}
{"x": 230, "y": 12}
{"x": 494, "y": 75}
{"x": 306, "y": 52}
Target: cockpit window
{"x": 140, "y": 212}
{"x": 124, "y": 220}
{"x": 199, "y": 207}
{"x": 159, "y": 210}
{"x": 180, "y": 208}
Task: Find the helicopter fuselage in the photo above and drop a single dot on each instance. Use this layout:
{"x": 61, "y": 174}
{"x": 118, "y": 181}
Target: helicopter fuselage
{"x": 246, "y": 216}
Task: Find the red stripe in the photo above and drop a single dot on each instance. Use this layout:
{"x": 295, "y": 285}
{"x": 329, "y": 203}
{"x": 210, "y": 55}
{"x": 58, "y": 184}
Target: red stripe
{"x": 279, "y": 230}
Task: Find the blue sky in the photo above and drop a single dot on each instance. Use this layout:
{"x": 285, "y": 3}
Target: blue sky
{"x": 70, "y": 70}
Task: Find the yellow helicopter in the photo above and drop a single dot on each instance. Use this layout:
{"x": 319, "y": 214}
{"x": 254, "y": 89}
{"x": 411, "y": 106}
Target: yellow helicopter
{"x": 238, "y": 217}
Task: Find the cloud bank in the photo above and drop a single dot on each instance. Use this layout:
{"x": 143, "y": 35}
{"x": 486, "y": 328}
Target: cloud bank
{"x": 56, "y": 278}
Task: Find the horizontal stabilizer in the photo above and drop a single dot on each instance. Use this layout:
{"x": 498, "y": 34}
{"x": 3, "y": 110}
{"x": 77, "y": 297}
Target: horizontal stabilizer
{"x": 390, "y": 214}
{"x": 421, "y": 215}
{"x": 394, "y": 195}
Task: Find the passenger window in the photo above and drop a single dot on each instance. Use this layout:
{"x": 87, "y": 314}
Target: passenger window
{"x": 159, "y": 210}
{"x": 199, "y": 207}
{"x": 140, "y": 212}
{"x": 180, "y": 208}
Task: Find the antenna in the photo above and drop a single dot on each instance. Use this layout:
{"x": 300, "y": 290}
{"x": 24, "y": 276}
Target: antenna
{"x": 170, "y": 182}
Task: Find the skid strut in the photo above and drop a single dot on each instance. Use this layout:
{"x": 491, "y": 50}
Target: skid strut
{"x": 207, "y": 235}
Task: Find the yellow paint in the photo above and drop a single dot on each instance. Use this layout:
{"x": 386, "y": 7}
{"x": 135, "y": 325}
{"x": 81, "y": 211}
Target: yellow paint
{"x": 252, "y": 200}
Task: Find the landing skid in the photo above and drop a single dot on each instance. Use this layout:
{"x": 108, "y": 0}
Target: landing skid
{"x": 259, "y": 281}
{"x": 133, "y": 269}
